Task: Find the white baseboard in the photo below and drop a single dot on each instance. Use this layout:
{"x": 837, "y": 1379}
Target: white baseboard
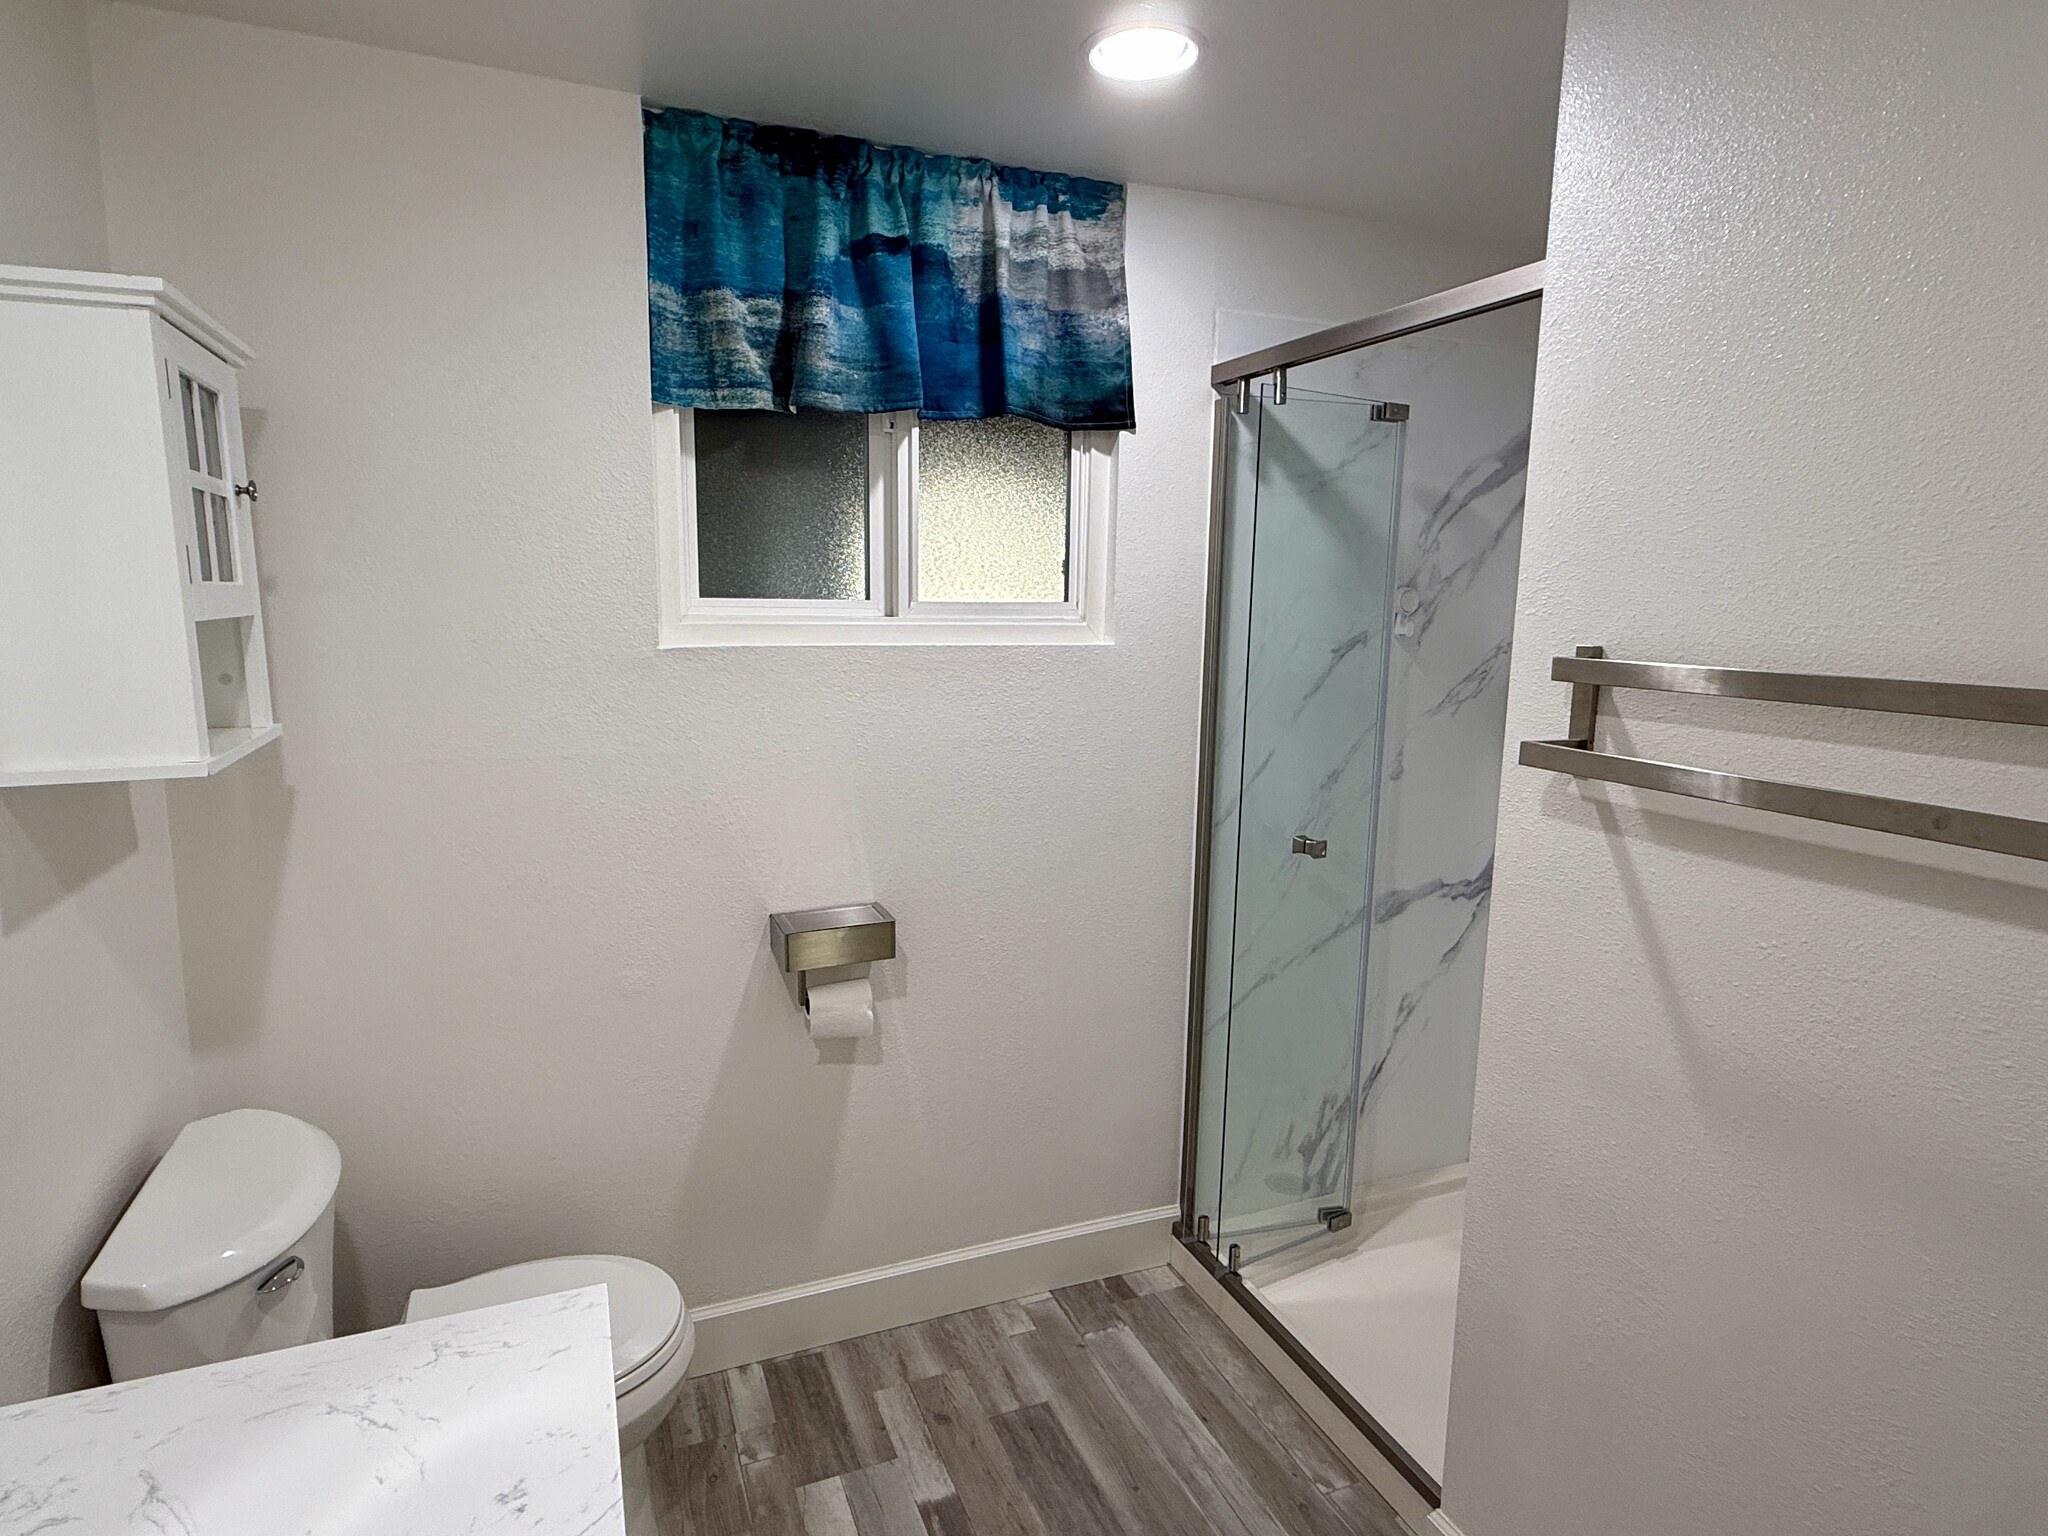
{"x": 801, "y": 1317}
{"x": 1411, "y": 1506}
{"x": 1440, "y": 1524}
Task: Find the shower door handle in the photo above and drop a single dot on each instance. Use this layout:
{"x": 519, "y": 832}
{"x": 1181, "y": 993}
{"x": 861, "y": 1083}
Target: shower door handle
{"x": 1312, "y": 847}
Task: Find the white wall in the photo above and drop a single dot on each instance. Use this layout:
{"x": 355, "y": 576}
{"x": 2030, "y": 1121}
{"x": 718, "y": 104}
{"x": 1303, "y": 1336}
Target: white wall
{"x": 495, "y": 915}
{"x": 50, "y": 209}
{"x": 94, "y": 1073}
{"x": 1759, "y": 1200}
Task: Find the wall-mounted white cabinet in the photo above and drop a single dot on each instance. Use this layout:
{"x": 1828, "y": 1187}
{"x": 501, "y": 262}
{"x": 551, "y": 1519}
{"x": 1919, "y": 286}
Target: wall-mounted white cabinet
{"x": 131, "y": 629}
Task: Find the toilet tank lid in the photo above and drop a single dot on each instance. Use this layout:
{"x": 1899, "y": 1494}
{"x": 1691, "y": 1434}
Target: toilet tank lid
{"x": 233, "y": 1193}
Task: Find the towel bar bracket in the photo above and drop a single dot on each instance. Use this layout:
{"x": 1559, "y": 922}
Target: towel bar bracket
{"x": 1585, "y": 713}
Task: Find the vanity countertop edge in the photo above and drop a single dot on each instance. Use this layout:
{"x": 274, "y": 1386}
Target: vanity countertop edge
{"x": 501, "y": 1419}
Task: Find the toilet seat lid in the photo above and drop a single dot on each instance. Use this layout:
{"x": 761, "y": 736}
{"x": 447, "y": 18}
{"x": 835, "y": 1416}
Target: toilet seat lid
{"x": 646, "y": 1305}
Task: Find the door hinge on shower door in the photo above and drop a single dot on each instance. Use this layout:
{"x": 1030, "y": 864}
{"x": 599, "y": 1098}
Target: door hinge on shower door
{"x": 1334, "y": 1217}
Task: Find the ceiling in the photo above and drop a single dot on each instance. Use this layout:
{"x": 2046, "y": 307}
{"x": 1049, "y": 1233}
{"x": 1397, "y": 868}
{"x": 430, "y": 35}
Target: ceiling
{"x": 1436, "y": 113}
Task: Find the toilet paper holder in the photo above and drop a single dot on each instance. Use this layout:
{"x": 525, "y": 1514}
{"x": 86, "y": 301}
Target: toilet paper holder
{"x": 824, "y": 937}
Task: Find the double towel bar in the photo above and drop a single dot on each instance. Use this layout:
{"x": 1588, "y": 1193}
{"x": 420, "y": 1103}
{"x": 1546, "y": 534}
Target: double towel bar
{"x": 1589, "y": 671}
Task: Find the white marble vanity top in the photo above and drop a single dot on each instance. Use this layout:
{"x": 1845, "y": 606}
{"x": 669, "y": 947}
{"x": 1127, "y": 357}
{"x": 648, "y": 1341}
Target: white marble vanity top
{"x": 499, "y": 1420}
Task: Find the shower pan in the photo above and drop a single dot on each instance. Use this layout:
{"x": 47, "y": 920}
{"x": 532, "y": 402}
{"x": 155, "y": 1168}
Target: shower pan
{"x": 1316, "y": 588}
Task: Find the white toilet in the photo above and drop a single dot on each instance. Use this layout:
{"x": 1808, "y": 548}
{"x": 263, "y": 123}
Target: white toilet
{"x": 228, "y": 1250}
{"x": 652, "y": 1335}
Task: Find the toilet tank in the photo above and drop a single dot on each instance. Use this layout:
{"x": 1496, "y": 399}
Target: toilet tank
{"x": 226, "y": 1250}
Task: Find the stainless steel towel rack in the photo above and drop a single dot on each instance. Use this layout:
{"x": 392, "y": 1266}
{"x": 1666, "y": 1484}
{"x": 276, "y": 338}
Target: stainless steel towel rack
{"x": 1590, "y": 670}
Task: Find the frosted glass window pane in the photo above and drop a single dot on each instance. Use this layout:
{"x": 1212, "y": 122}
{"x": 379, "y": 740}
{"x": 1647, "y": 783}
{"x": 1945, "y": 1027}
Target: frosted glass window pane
{"x": 991, "y": 512}
{"x": 782, "y": 504}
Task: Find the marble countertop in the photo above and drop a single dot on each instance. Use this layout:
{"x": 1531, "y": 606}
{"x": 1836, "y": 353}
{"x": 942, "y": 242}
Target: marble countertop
{"x": 499, "y": 1420}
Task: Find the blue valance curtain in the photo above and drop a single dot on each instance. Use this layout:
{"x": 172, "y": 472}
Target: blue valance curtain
{"x": 793, "y": 269}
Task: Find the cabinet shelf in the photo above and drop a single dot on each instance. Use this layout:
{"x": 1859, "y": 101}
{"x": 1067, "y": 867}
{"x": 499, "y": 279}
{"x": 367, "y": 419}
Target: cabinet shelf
{"x": 225, "y": 746}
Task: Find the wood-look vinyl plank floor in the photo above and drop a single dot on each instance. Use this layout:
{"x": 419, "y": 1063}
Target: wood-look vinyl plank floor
{"x": 1116, "y": 1408}
{"x": 1060, "y": 1483}
{"x": 1130, "y": 1469}
{"x": 1283, "y": 1417}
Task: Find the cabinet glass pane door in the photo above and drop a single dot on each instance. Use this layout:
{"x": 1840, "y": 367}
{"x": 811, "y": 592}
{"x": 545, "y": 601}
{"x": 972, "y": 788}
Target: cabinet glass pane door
{"x": 1311, "y": 499}
{"x": 202, "y": 540}
{"x": 206, "y": 464}
{"x": 223, "y": 538}
{"x": 188, "y": 390}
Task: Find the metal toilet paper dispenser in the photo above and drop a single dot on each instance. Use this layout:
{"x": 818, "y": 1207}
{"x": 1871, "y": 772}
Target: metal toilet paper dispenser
{"x": 826, "y": 937}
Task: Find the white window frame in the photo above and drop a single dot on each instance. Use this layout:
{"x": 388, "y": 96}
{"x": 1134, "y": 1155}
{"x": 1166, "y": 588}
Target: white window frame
{"x": 890, "y": 613}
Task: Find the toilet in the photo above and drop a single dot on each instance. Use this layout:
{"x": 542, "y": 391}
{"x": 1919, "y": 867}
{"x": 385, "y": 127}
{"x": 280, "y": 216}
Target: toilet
{"x": 652, "y": 1335}
{"x": 228, "y": 1250}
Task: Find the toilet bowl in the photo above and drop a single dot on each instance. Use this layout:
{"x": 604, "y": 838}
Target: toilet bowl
{"x": 652, "y": 1334}
{"x": 652, "y": 1341}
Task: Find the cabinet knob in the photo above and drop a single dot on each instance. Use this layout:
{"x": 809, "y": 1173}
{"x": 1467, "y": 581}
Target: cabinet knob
{"x": 248, "y": 490}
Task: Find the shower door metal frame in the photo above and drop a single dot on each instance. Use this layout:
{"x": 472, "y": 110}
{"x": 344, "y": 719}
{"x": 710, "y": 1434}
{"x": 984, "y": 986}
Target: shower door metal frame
{"x": 1518, "y": 286}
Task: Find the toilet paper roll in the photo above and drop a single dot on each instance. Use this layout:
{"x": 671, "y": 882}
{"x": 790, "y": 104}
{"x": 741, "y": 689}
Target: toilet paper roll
{"x": 841, "y": 1010}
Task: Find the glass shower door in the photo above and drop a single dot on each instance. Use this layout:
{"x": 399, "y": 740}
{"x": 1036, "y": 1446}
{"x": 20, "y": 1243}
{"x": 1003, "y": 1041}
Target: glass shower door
{"x": 1311, "y": 501}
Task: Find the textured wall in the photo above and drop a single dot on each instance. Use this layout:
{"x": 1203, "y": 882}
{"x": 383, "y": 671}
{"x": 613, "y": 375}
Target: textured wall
{"x": 94, "y": 1073}
{"x": 1759, "y": 1195}
{"x": 50, "y": 209}
{"x": 495, "y": 915}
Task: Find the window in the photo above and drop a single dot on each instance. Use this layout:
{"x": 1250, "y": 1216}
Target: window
{"x": 819, "y": 528}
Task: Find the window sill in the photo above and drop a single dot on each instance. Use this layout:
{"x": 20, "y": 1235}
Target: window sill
{"x": 700, "y": 634}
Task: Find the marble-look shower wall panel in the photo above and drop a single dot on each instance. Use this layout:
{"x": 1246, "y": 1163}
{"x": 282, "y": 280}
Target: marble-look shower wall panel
{"x": 1468, "y": 387}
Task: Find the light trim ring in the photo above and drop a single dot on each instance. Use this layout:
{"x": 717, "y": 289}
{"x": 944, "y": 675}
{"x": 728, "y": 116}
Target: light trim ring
{"x": 1143, "y": 50}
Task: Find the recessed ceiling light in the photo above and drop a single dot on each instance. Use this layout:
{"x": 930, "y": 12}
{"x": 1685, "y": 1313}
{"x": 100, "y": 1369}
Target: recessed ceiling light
{"x": 1143, "y": 50}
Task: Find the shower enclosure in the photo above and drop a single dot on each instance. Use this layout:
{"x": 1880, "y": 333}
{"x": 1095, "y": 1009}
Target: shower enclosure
{"x": 1313, "y": 587}
{"x": 1312, "y": 490}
